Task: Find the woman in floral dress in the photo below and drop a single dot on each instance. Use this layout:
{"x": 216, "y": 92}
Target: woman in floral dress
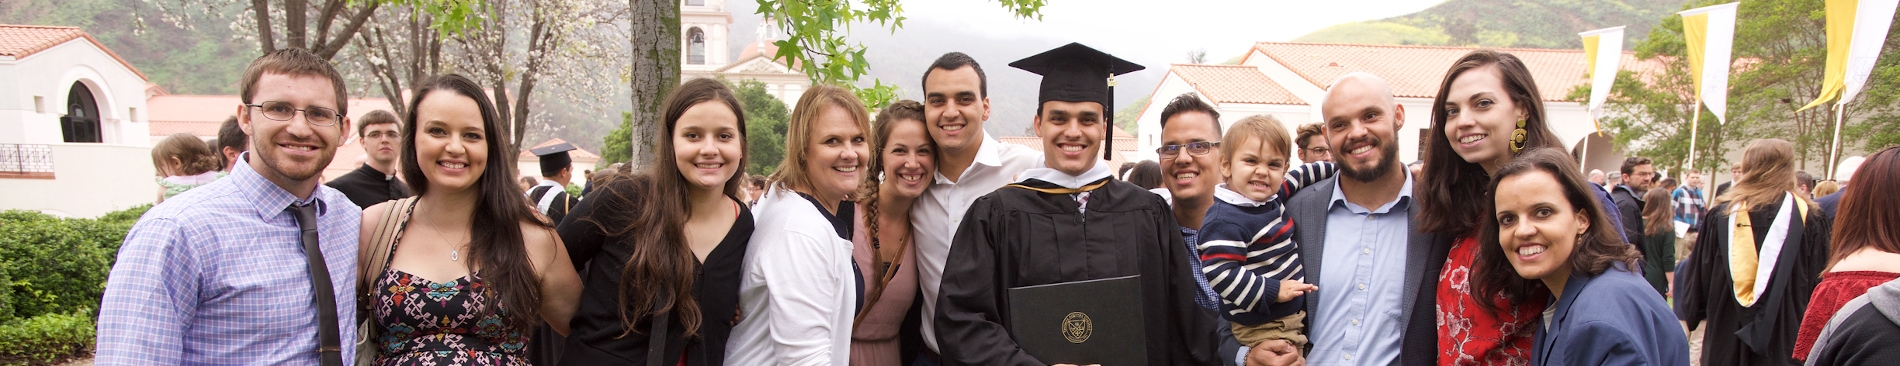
{"x": 480, "y": 269}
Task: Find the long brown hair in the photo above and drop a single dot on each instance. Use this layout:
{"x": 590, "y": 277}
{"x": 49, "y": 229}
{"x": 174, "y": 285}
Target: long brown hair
{"x": 496, "y": 245}
{"x": 1600, "y": 245}
{"x": 1767, "y": 173}
{"x": 658, "y": 276}
{"x": 1451, "y": 193}
{"x": 791, "y": 170}
{"x": 1659, "y": 213}
{"x": 1867, "y": 218}
{"x": 887, "y": 120}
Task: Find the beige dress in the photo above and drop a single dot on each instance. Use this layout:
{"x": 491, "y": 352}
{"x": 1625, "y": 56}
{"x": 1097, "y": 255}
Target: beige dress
{"x": 875, "y": 341}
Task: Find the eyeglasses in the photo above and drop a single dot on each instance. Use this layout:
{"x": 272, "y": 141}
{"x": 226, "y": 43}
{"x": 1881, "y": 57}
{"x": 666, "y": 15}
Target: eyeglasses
{"x": 1193, "y": 148}
{"x": 283, "y": 111}
{"x": 1318, "y": 149}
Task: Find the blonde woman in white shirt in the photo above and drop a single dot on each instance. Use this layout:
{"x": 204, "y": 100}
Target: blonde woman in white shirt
{"x": 801, "y": 288}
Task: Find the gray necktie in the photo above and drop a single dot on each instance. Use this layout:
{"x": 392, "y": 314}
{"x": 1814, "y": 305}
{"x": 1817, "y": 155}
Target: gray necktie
{"x": 330, "y": 348}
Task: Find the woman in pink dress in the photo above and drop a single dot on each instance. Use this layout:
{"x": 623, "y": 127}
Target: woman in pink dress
{"x": 905, "y": 159}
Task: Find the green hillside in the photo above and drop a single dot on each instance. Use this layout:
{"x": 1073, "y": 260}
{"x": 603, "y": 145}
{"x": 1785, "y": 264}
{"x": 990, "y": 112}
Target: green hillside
{"x": 1504, "y": 23}
{"x": 203, "y": 60}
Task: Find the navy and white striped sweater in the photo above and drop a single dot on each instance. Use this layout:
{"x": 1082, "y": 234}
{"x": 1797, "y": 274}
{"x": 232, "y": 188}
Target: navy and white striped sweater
{"x": 1247, "y": 248}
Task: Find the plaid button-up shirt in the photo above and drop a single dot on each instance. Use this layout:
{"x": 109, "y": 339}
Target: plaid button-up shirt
{"x": 1689, "y": 205}
{"x": 216, "y": 275}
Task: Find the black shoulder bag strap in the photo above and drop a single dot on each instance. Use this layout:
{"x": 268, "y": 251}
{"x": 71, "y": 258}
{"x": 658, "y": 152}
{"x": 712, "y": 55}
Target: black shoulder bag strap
{"x": 656, "y": 339}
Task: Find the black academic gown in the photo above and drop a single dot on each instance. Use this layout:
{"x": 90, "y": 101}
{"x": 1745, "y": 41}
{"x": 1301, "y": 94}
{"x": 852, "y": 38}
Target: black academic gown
{"x": 1762, "y": 334}
{"x": 1016, "y": 237}
{"x": 557, "y": 209}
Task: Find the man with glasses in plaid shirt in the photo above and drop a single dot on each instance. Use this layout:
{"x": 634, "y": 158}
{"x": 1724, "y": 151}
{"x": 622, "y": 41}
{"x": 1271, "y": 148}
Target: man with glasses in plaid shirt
{"x": 224, "y": 274}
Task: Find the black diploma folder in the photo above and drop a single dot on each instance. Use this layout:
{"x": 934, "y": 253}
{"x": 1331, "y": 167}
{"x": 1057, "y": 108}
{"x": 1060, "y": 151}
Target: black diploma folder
{"x": 1082, "y": 322}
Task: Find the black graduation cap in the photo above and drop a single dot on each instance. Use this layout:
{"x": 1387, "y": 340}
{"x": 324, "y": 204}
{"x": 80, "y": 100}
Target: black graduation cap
{"x": 554, "y": 157}
{"x": 1077, "y": 73}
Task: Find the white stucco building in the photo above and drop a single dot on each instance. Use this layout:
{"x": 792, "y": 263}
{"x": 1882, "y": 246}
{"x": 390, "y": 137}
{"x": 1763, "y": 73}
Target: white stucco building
{"x": 73, "y": 131}
{"x": 1288, "y": 81}
{"x": 704, "y": 25}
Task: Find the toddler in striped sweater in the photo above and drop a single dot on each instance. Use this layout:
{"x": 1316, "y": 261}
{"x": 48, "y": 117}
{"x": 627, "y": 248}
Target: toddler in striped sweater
{"x": 1247, "y": 248}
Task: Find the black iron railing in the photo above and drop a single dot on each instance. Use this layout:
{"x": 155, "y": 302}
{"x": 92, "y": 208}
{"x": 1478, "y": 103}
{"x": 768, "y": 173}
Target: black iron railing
{"x": 26, "y": 160}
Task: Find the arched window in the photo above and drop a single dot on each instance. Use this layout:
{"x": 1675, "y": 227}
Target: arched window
{"x": 695, "y": 46}
{"x": 81, "y": 123}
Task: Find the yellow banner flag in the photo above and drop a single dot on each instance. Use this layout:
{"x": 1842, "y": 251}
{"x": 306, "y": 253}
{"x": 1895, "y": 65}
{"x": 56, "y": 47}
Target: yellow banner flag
{"x": 1710, "y": 34}
{"x": 1855, "y": 31}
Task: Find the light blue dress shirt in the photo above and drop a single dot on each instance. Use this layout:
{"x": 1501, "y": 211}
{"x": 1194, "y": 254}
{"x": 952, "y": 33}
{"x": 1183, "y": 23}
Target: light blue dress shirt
{"x": 217, "y": 275}
{"x": 1361, "y": 283}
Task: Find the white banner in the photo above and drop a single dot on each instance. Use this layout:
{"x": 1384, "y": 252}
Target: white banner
{"x": 1712, "y": 30}
{"x": 1603, "y": 49}
{"x": 1871, "y": 20}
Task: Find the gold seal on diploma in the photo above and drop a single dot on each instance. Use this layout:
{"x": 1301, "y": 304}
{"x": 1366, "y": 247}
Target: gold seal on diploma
{"x": 1076, "y": 327}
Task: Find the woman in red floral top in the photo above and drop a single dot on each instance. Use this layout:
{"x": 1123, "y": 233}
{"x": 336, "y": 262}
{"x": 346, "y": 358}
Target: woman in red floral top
{"x": 1487, "y": 110}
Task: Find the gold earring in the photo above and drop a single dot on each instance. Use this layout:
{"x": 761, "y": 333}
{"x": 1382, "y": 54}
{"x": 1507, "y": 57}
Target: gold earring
{"x": 1517, "y": 137}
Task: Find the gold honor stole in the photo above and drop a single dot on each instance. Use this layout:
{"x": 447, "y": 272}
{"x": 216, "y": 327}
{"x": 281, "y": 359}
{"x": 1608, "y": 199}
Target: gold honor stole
{"x": 1751, "y": 270}
{"x": 1061, "y": 189}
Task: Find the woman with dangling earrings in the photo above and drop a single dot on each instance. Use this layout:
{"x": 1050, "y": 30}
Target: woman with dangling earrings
{"x": 1487, "y": 112}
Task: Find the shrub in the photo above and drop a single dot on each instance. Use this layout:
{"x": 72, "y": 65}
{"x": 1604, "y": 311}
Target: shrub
{"x": 126, "y": 216}
{"x": 47, "y": 339}
{"x": 55, "y": 265}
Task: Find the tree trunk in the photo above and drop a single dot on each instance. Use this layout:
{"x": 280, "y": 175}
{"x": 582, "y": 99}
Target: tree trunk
{"x": 294, "y": 24}
{"x": 538, "y": 39}
{"x": 656, "y": 69}
{"x": 261, "y": 8}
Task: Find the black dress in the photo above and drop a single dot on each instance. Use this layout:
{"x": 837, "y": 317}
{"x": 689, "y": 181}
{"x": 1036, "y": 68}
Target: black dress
{"x": 1762, "y": 334}
{"x": 596, "y": 338}
{"x": 1016, "y": 237}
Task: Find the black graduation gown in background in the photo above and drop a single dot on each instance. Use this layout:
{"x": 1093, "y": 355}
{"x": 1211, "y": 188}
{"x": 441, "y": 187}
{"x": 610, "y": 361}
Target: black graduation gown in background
{"x": 1016, "y": 237}
{"x": 557, "y": 209}
{"x": 1762, "y": 334}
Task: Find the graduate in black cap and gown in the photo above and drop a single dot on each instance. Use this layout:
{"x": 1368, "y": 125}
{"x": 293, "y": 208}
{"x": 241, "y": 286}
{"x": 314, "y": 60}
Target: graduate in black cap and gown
{"x": 557, "y": 170}
{"x": 1067, "y": 221}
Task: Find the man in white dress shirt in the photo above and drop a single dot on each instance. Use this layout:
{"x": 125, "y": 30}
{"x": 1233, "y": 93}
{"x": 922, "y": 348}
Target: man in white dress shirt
{"x": 970, "y": 164}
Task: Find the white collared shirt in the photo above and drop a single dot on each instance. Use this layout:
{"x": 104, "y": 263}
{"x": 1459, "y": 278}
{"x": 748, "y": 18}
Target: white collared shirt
{"x": 1228, "y": 195}
{"x": 1064, "y": 179}
{"x": 1096, "y": 173}
{"x": 936, "y": 215}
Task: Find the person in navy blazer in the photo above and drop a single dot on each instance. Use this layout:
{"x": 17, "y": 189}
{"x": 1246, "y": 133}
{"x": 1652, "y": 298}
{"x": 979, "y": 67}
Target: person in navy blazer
{"x": 1549, "y": 236}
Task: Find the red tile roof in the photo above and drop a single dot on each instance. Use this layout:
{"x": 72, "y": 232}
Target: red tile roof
{"x": 1234, "y": 84}
{"x": 20, "y": 41}
{"x": 1416, "y": 71}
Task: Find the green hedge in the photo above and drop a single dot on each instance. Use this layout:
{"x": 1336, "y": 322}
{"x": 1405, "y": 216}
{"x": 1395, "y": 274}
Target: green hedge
{"x": 52, "y": 274}
{"x": 54, "y": 265}
{"x": 47, "y": 339}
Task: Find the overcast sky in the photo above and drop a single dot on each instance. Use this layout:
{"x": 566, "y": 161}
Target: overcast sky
{"x": 1161, "y": 32}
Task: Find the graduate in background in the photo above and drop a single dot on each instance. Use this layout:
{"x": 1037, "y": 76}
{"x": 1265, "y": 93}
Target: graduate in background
{"x": 1069, "y": 221}
{"x": 557, "y": 171}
